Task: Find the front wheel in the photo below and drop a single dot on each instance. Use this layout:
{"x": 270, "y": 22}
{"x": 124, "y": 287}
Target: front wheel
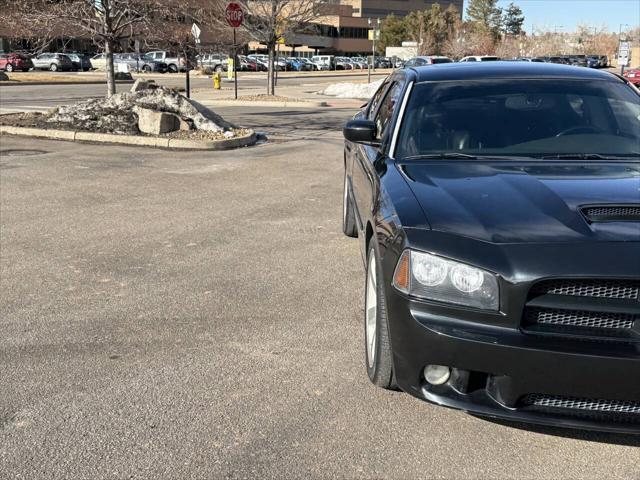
{"x": 376, "y": 329}
{"x": 173, "y": 68}
{"x": 53, "y": 67}
{"x": 9, "y": 67}
{"x": 147, "y": 69}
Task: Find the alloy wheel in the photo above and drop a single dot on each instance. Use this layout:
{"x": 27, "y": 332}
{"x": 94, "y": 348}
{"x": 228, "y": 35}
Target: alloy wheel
{"x": 371, "y": 311}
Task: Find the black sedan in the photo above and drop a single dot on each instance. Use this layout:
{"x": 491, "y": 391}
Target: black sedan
{"x": 498, "y": 211}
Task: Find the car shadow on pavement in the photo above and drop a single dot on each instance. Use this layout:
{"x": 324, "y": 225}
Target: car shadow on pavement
{"x": 289, "y": 120}
{"x": 628, "y": 440}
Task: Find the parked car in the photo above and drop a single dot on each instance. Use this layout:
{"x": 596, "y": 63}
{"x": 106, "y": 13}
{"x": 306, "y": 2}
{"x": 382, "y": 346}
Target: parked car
{"x": 53, "y": 62}
{"x": 324, "y": 62}
{"x": 426, "y": 60}
{"x": 593, "y": 61}
{"x": 531, "y": 59}
{"x": 140, "y": 63}
{"x": 80, "y": 61}
{"x": 499, "y": 232}
{"x": 480, "y": 58}
{"x": 383, "y": 62}
{"x": 253, "y": 65}
{"x": 217, "y": 62}
{"x": 559, "y": 60}
{"x": 310, "y": 65}
{"x": 15, "y": 61}
{"x": 175, "y": 63}
{"x": 633, "y": 75}
{"x": 578, "y": 60}
{"x": 343, "y": 63}
{"x": 99, "y": 61}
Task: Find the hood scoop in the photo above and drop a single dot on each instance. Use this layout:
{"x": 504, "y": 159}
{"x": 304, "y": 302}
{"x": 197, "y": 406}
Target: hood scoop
{"x": 611, "y": 213}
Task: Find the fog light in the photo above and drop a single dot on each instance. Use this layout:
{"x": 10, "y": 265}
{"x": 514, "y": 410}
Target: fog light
{"x": 437, "y": 374}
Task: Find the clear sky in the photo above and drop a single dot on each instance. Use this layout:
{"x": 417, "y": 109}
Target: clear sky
{"x": 564, "y": 15}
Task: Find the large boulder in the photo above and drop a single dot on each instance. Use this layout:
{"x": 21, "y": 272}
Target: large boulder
{"x": 139, "y": 84}
{"x": 156, "y": 123}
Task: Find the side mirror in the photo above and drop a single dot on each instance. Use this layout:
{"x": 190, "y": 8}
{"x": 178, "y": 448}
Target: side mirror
{"x": 360, "y": 131}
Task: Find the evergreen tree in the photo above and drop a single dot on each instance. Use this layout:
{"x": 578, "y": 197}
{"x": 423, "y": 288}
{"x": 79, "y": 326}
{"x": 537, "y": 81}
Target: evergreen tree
{"x": 485, "y": 15}
{"x": 393, "y": 32}
{"x": 512, "y": 20}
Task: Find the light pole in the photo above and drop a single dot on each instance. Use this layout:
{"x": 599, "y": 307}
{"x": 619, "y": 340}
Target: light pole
{"x": 376, "y": 27}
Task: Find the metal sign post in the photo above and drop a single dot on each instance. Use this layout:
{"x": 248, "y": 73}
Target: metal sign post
{"x": 235, "y": 16}
{"x": 195, "y": 31}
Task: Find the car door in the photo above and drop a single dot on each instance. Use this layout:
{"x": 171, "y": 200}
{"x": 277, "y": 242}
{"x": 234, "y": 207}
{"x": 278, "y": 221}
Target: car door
{"x": 39, "y": 60}
{"x": 364, "y": 176}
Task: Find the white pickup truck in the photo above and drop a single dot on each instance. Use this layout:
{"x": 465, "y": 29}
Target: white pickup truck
{"x": 174, "y": 62}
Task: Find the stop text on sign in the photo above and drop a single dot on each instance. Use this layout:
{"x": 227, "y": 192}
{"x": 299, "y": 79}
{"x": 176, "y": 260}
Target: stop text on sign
{"x": 234, "y": 15}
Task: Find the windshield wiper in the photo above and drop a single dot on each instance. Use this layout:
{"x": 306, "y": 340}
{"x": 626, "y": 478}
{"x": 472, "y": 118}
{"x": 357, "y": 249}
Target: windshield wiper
{"x": 446, "y": 155}
{"x": 580, "y": 156}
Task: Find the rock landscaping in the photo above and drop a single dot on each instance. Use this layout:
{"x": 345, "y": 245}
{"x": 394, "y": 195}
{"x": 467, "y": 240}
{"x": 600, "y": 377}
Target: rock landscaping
{"x": 145, "y": 110}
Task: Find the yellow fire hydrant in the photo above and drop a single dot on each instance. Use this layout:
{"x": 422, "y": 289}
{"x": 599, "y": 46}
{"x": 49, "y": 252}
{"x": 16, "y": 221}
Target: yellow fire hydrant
{"x": 217, "y": 81}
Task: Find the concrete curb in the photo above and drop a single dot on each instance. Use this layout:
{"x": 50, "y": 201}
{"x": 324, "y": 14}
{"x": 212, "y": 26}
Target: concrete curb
{"x": 157, "y": 142}
{"x": 249, "y": 103}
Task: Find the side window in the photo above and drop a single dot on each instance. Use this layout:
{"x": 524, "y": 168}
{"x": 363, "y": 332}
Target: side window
{"x": 375, "y": 101}
{"x": 420, "y": 62}
{"x": 385, "y": 113}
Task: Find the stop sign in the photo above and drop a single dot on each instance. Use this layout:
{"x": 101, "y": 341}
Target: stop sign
{"x": 234, "y": 15}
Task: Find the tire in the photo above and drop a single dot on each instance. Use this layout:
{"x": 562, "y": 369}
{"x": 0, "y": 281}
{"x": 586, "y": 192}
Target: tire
{"x": 53, "y": 67}
{"x": 218, "y": 69}
{"x": 173, "y": 68}
{"x": 378, "y": 353}
{"x": 348, "y": 215}
{"x": 9, "y": 67}
{"x": 147, "y": 69}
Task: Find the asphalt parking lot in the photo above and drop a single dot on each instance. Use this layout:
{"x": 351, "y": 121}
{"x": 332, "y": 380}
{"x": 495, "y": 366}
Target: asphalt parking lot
{"x": 197, "y": 315}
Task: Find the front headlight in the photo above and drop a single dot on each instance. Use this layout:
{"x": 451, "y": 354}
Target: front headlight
{"x": 435, "y": 278}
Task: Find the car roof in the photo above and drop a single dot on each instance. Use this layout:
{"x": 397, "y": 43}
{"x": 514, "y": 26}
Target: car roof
{"x": 504, "y": 69}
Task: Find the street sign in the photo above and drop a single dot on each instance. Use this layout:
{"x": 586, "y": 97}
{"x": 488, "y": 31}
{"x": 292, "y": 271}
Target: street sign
{"x": 196, "y": 31}
{"x": 624, "y": 53}
{"x": 234, "y": 15}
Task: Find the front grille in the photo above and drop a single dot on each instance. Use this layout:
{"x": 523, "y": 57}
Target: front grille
{"x": 619, "y": 213}
{"x": 575, "y": 318}
{"x": 594, "y": 309}
{"x": 589, "y": 288}
{"x": 587, "y": 404}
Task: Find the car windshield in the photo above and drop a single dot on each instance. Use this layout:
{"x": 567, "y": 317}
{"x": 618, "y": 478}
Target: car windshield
{"x": 535, "y": 118}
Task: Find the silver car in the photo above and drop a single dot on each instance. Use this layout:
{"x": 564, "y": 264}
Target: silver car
{"x": 53, "y": 62}
{"x": 140, "y": 63}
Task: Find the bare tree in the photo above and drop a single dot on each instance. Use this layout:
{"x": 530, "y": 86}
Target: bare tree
{"x": 106, "y": 22}
{"x": 35, "y": 32}
{"x": 271, "y": 21}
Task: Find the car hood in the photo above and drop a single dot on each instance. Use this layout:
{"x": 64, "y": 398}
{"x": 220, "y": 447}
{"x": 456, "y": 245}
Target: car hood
{"x": 514, "y": 202}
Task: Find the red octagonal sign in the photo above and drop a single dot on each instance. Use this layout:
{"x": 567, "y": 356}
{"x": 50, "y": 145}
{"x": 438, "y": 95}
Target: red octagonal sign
{"x": 234, "y": 15}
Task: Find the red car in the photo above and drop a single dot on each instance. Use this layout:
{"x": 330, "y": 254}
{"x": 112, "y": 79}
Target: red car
{"x": 633, "y": 75}
{"x": 15, "y": 61}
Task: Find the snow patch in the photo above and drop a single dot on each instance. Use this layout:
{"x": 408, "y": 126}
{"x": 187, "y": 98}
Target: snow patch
{"x": 353, "y": 90}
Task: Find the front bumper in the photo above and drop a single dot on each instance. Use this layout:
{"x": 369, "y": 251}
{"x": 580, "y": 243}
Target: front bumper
{"x": 494, "y": 368}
